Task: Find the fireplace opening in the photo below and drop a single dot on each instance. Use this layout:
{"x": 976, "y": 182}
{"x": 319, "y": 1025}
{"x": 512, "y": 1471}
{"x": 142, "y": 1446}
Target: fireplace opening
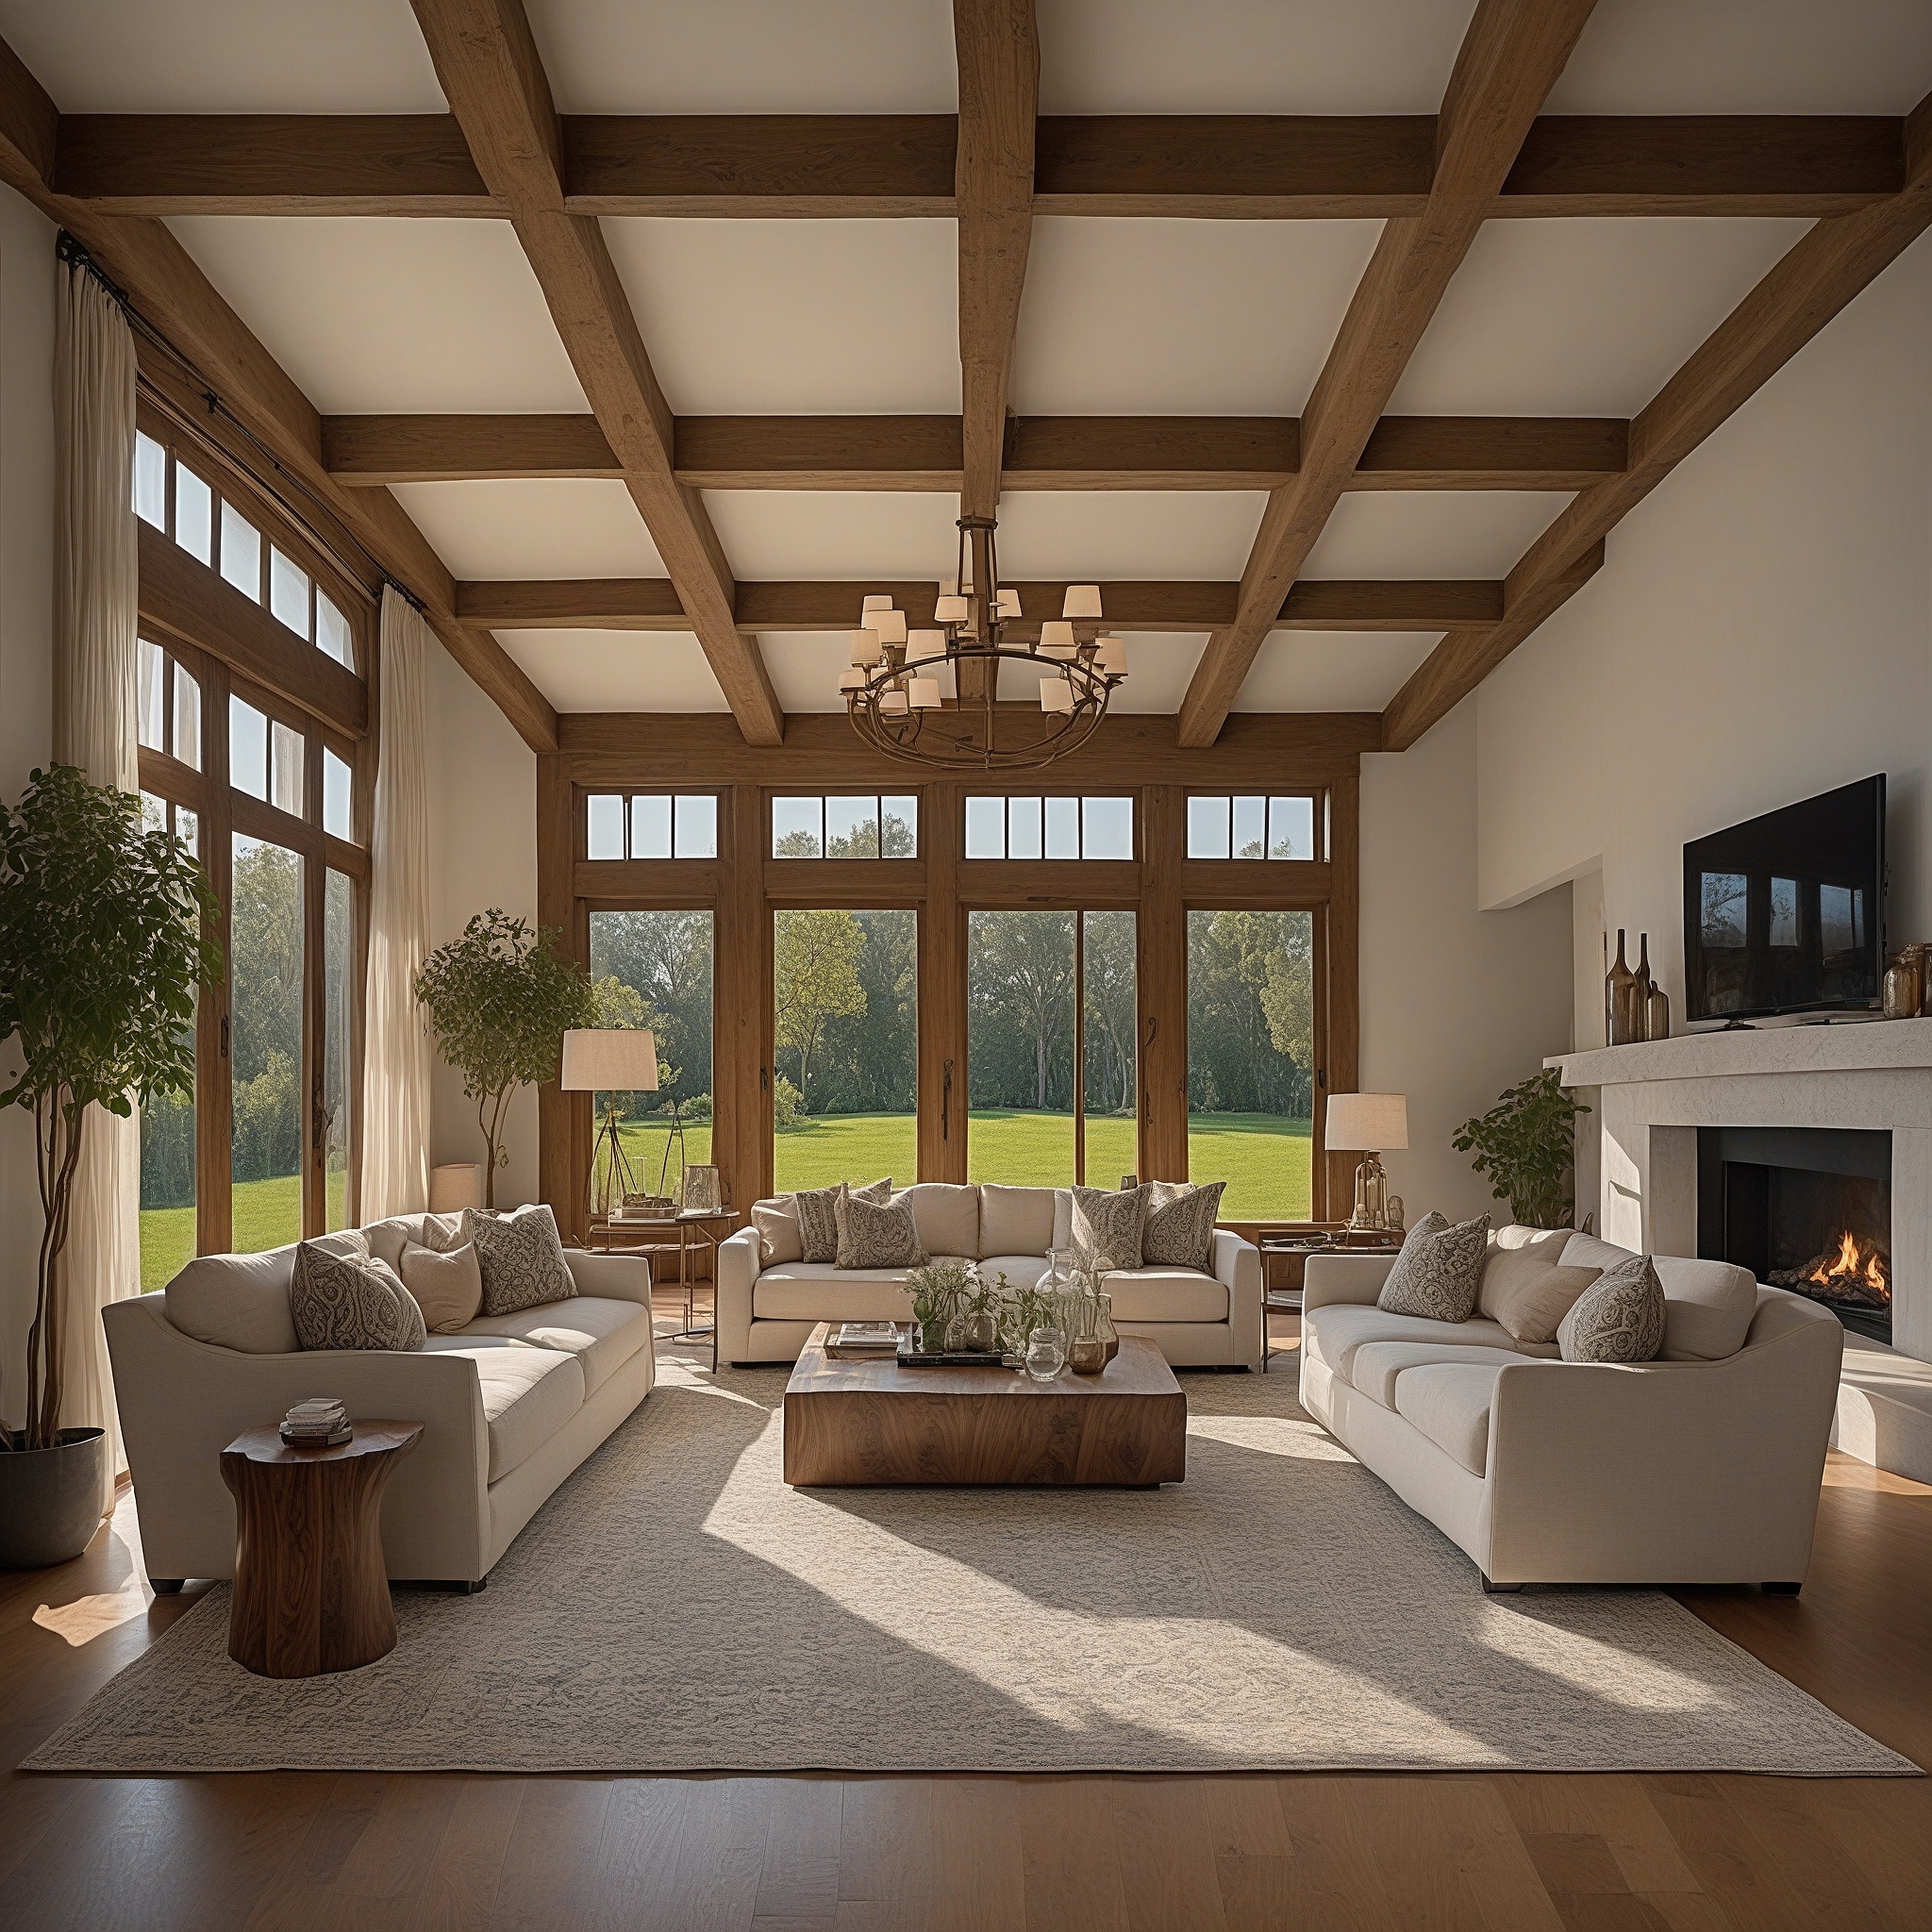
{"x": 1806, "y": 1209}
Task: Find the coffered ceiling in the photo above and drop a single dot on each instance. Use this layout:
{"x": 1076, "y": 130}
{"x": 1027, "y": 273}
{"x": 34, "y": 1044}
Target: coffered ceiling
{"x": 611, "y": 367}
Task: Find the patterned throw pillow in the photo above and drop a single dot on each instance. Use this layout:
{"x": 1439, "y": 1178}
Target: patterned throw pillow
{"x": 876, "y": 1235}
{"x": 1439, "y": 1273}
{"x": 818, "y": 1217}
{"x": 341, "y": 1297}
{"x": 521, "y": 1258}
{"x": 1108, "y": 1227}
{"x": 1180, "y": 1228}
{"x": 1621, "y": 1319}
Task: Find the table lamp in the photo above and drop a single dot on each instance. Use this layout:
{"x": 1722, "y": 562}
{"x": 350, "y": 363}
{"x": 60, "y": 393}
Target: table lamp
{"x": 1366, "y": 1123}
{"x": 610, "y": 1060}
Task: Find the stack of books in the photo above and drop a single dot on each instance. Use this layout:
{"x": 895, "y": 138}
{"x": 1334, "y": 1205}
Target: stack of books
{"x": 881, "y": 1339}
{"x": 321, "y": 1422}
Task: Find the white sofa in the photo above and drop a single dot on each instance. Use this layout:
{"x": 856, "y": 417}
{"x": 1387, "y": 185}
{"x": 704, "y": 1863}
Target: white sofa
{"x": 1700, "y": 1467}
{"x": 509, "y": 1406}
{"x": 767, "y": 1308}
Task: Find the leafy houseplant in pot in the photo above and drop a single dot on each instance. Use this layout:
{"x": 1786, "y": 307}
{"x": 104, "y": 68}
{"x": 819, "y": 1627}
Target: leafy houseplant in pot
{"x": 500, "y": 998}
{"x": 1527, "y": 1145}
{"x": 101, "y": 953}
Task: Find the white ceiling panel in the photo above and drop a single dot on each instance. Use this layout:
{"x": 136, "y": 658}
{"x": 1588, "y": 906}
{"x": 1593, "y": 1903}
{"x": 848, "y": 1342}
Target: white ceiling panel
{"x": 1166, "y": 317}
{"x": 1079, "y": 534}
{"x": 1582, "y": 318}
{"x": 225, "y": 56}
{"x": 1749, "y": 57}
{"x": 559, "y": 526}
{"x": 369, "y": 315}
{"x": 617, "y": 670}
{"x": 805, "y": 667}
{"x": 1248, "y": 56}
{"x": 1160, "y": 663}
{"x": 796, "y": 318}
{"x": 748, "y": 56}
{"x": 1333, "y": 670}
{"x": 837, "y": 533}
{"x": 1431, "y": 533}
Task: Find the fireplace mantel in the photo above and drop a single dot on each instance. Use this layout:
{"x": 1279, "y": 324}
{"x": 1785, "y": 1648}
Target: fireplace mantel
{"x": 1847, "y": 1047}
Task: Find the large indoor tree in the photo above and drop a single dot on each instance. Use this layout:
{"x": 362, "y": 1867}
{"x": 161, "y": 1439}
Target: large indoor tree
{"x": 102, "y": 948}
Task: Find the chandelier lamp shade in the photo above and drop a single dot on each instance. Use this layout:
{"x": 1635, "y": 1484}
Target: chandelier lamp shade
{"x": 932, "y": 696}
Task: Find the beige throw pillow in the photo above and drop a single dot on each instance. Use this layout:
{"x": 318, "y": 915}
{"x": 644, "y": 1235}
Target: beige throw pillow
{"x": 818, "y": 1218}
{"x": 877, "y": 1234}
{"x": 776, "y": 1222}
{"x": 1529, "y": 1293}
{"x": 448, "y": 1287}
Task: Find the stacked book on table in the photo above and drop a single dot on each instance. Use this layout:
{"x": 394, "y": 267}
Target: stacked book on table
{"x": 321, "y": 1422}
{"x": 860, "y": 1340}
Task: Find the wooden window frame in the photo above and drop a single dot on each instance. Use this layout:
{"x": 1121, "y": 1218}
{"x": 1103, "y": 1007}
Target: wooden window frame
{"x": 745, "y": 885}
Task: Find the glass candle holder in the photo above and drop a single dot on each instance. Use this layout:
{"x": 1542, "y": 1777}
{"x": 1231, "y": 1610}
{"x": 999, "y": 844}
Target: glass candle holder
{"x": 1046, "y": 1353}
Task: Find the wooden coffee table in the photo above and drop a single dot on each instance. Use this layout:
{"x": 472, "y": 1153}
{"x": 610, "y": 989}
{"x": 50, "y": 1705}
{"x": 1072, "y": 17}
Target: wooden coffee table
{"x": 853, "y": 1424}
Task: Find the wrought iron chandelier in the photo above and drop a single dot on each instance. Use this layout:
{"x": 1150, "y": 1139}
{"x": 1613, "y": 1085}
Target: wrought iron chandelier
{"x": 931, "y": 697}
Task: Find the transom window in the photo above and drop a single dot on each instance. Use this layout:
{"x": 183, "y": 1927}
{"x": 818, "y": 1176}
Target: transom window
{"x": 179, "y": 502}
{"x": 865, "y": 827}
{"x": 169, "y": 699}
{"x": 1049, "y": 828}
{"x": 651, "y": 824}
{"x": 1251, "y": 826}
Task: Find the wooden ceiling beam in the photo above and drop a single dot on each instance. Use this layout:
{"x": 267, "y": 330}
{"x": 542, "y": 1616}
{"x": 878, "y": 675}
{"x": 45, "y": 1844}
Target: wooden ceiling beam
{"x": 170, "y": 292}
{"x": 1810, "y": 284}
{"x": 487, "y": 63}
{"x": 649, "y": 603}
{"x": 883, "y": 166}
{"x": 1510, "y": 58}
{"x": 923, "y": 453}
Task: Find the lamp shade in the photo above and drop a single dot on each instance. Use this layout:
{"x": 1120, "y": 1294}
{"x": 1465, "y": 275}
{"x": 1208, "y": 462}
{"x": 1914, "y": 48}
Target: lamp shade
{"x": 1055, "y": 694}
{"x": 925, "y": 643}
{"x": 610, "y": 1060}
{"x": 1366, "y": 1122}
{"x": 891, "y": 625}
{"x": 1057, "y": 638}
{"x": 876, "y": 600}
{"x": 1009, "y": 602}
{"x": 949, "y": 609}
{"x": 866, "y": 648}
{"x": 1082, "y": 600}
{"x": 923, "y": 693}
{"x": 455, "y": 1187}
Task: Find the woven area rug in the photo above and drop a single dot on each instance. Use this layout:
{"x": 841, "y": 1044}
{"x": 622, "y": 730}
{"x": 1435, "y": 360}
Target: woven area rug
{"x": 676, "y": 1607}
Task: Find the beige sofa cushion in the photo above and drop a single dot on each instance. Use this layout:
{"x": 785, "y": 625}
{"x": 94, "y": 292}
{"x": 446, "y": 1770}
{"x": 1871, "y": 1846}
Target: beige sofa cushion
{"x": 818, "y": 1291}
{"x": 1021, "y": 1271}
{"x": 236, "y": 1301}
{"x": 1449, "y": 1403}
{"x": 1707, "y": 1304}
{"x": 529, "y": 1393}
{"x": 946, "y": 1215}
{"x": 1526, "y": 1290}
{"x": 1332, "y": 1334}
{"x": 779, "y": 1240}
{"x": 1167, "y": 1295}
{"x": 1380, "y": 1365}
{"x": 1016, "y": 1220}
{"x": 448, "y": 1287}
{"x": 602, "y": 1334}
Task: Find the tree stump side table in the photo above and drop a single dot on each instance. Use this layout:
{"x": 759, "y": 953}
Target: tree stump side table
{"x": 312, "y": 1590}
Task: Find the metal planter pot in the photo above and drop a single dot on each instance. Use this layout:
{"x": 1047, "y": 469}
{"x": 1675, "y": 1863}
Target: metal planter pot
{"x": 50, "y": 1499}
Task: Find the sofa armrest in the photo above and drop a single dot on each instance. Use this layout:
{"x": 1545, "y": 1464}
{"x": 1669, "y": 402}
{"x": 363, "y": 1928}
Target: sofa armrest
{"x": 1663, "y": 1472}
{"x": 1237, "y": 1265}
{"x": 740, "y": 1263}
{"x": 614, "y": 1277}
{"x": 1327, "y": 1278}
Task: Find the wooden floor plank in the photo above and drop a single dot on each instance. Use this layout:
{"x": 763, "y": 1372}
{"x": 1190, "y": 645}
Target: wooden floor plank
{"x": 1164, "y": 1841}
{"x": 1071, "y": 1865}
{"x": 558, "y": 1824}
{"x": 978, "y": 1856}
{"x": 798, "y": 1878}
{"x": 460, "y": 1892}
{"x": 885, "y": 1839}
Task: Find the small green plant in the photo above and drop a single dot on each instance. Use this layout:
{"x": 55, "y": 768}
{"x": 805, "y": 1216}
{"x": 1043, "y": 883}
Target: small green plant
{"x": 788, "y": 1104}
{"x": 1525, "y": 1145}
{"x": 500, "y": 999}
{"x": 939, "y": 1290}
{"x": 102, "y": 950}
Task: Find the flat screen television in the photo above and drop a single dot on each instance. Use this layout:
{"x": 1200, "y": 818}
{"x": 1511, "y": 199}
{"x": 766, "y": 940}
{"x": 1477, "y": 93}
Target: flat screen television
{"x": 1786, "y": 913}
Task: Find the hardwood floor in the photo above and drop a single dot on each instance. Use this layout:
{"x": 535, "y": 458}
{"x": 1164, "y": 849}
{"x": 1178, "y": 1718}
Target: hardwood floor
{"x": 359, "y": 1852}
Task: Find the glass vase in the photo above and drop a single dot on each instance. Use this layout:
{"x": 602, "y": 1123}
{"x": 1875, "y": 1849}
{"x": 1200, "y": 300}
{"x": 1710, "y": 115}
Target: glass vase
{"x": 1046, "y": 1353}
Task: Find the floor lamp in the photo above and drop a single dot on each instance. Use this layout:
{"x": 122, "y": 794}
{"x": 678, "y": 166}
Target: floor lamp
{"x": 610, "y": 1060}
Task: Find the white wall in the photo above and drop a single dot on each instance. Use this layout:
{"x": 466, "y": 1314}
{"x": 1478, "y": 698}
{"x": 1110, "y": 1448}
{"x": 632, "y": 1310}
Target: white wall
{"x": 1457, "y": 1004}
{"x": 26, "y": 623}
{"x": 1761, "y": 631}
{"x": 482, "y": 853}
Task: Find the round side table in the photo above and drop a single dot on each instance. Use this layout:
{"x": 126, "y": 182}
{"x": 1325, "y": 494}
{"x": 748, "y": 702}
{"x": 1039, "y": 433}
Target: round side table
{"x": 312, "y": 1591}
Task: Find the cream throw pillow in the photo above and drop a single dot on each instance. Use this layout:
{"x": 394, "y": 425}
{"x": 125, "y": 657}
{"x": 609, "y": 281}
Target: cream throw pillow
{"x": 1528, "y": 1293}
{"x": 776, "y": 1222}
{"x": 448, "y": 1287}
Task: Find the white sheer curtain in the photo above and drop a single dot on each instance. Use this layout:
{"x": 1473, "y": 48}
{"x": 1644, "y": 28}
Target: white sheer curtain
{"x": 395, "y": 1051}
{"x": 95, "y": 620}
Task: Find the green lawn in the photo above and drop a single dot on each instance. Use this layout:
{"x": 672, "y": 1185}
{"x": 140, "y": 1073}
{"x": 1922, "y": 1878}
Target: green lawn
{"x": 1263, "y": 1158}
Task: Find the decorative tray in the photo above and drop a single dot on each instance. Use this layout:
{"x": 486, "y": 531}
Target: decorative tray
{"x": 951, "y": 1359}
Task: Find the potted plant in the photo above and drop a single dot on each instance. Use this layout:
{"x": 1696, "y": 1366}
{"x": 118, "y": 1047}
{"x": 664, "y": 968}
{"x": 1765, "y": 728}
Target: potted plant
{"x": 101, "y": 953}
{"x": 1527, "y": 1145}
{"x": 938, "y": 1290}
{"x": 500, "y": 998}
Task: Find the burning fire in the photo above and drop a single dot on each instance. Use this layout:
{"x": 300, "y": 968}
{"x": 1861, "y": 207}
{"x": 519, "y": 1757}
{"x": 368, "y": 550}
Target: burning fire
{"x": 1853, "y": 1274}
